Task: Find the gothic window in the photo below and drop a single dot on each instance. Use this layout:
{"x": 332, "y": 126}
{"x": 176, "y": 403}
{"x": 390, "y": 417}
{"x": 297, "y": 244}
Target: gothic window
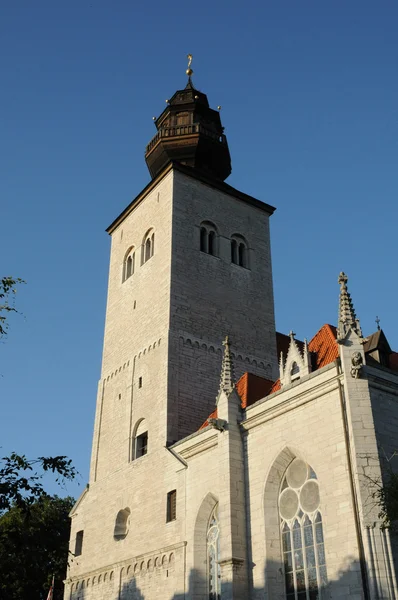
{"x": 208, "y": 238}
{"x": 213, "y": 556}
{"x": 140, "y": 440}
{"x": 122, "y": 524}
{"x": 302, "y": 534}
{"x": 148, "y": 246}
{"x": 239, "y": 254}
{"x": 128, "y": 263}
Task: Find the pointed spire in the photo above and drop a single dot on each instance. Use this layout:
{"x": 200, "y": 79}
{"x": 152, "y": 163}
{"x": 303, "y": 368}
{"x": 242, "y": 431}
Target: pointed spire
{"x": 227, "y": 382}
{"x": 347, "y": 317}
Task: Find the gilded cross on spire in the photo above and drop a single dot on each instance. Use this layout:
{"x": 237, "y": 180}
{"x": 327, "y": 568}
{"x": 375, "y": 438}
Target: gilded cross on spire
{"x": 189, "y": 71}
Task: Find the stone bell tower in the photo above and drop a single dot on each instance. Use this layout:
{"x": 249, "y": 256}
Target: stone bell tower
{"x": 190, "y": 262}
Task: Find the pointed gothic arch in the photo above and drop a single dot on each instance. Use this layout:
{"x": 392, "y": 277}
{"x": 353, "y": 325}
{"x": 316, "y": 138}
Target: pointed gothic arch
{"x": 200, "y": 573}
{"x": 285, "y": 530}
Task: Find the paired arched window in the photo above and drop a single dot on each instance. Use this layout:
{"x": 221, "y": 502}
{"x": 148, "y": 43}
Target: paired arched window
{"x": 302, "y": 534}
{"x": 140, "y": 440}
{"x": 239, "y": 253}
{"x": 148, "y": 246}
{"x": 122, "y": 524}
{"x": 208, "y": 238}
{"x": 129, "y": 263}
{"x": 213, "y": 556}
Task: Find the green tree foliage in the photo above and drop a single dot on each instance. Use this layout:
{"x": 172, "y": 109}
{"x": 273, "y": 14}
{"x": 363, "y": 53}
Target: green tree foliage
{"x": 386, "y": 496}
{"x": 8, "y": 289}
{"x": 33, "y": 548}
{"x": 21, "y": 479}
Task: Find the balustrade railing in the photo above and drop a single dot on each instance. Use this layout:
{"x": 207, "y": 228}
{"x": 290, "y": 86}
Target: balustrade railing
{"x": 181, "y": 130}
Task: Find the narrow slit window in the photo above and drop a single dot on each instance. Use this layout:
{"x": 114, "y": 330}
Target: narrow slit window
{"x": 211, "y": 240}
{"x": 171, "y": 506}
{"x": 79, "y": 543}
{"x": 203, "y": 239}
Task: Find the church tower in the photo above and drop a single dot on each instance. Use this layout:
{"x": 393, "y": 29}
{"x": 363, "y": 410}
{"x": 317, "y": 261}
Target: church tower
{"x": 190, "y": 262}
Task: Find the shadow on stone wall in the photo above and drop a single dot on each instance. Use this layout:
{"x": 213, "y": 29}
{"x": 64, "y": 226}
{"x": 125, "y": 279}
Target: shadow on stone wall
{"x": 347, "y": 585}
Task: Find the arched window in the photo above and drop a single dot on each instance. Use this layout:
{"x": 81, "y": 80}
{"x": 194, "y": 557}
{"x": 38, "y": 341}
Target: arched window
{"x": 239, "y": 254}
{"x": 213, "y": 556}
{"x": 122, "y": 524}
{"x": 208, "y": 238}
{"x": 148, "y": 246}
{"x": 140, "y": 440}
{"x": 302, "y": 534}
{"x": 129, "y": 263}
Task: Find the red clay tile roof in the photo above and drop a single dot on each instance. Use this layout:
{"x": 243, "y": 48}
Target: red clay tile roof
{"x": 324, "y": 349}
{"x": 251, "y": 388}
{"x": 324, "y": 345}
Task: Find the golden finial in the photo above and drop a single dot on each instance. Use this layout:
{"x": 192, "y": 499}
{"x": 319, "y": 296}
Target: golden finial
{"x": 189, "y": 71}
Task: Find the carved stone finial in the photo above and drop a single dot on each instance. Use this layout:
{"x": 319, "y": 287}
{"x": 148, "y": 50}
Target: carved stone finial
{"x": 292, "y": 334}
{"x": 227, "y": 381}
{"x": 347, "y": 317}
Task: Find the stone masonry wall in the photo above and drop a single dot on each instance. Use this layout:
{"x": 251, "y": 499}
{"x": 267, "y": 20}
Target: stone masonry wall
{"x": 211, "y": 297}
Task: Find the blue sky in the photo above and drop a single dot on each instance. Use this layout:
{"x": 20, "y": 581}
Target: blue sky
{"x": 309, "y": 96}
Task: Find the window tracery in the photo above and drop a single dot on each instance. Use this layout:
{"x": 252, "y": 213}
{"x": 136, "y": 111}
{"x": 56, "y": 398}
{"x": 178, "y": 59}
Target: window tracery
{"x": 302, "y": 534}
{"x": 213, "y": 556}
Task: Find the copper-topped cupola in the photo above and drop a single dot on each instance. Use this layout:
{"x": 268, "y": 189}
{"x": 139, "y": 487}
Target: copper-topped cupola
{"x": 189, "y": 132}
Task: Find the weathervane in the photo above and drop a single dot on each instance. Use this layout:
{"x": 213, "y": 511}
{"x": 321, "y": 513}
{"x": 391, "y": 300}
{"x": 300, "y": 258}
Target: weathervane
{"x": 189, "y": 71}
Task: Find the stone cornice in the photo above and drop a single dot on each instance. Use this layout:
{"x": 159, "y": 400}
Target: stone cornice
{"x": 201, "y": 445}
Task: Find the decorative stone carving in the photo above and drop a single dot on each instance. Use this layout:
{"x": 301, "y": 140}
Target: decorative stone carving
{"x": 356, "y": 365}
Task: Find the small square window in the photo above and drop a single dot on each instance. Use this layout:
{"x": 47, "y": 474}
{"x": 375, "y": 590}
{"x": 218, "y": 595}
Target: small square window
{"x": 171, "y": 506}
{"x": 140, "y": 382}
{"x": 141, "y": 445}
{"x": 79, "y": 543}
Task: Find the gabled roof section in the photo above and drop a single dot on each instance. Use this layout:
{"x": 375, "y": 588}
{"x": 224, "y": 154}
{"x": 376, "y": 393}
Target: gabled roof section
{"x": 251, "y": 388}
{"x": 377, "y": 341}
{"x": 323, "y": 348}
{"x": 324, "y": 345}
{"x": 79, "y": 500}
